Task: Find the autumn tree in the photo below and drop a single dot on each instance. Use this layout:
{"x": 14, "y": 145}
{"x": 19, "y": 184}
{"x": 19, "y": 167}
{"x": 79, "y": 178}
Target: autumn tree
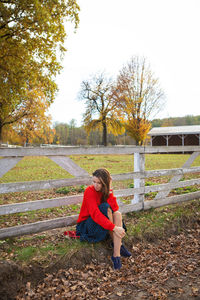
{"x": 100, "y": 108}
{"x": 137, "y": 96}
{"x": 34, "y": 127}
{"x": 32, "y": 38}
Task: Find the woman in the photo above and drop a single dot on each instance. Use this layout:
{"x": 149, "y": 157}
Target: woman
{"x": 99, "y": 216}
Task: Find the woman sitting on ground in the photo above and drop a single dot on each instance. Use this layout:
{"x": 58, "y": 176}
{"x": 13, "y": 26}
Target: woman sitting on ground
{"x": 99, "y": 216}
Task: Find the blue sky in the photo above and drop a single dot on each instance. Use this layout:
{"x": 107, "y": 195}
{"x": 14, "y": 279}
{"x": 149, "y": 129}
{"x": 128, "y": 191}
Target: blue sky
{"x": 166, "y": 32}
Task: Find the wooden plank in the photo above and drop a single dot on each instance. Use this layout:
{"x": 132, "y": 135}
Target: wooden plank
{"x": 159, "y": 203}
{"x": 71, "y": 220}
{"x": 57, "y": 151}
{"x": 176, "y": 178}
{"x": 169, "y": 172}
{"x": 69, "y": 165}
{"x": 56, "y": 202}
{"x": 47, "y": 203}
{"x": 39, "y": 204}
{"x": 8, "y": 163}
{"x": 42, "y": 185}
{"x": 130, "y": 207}
{"x": 139, "y": 166}
{"x": 171, "y": 200}
{"x": 50, "y": 184}
{"x": 66, "y": 151}
{"x": 167, "y": 186}
{"x": 37, "y": 227}
{"x": 156, "y": 188}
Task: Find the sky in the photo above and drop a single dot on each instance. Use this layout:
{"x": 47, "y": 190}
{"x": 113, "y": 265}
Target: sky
{"x": 165, "y": 32}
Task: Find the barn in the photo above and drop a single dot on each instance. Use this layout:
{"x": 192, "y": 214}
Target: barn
{"x": 175, "y": 136}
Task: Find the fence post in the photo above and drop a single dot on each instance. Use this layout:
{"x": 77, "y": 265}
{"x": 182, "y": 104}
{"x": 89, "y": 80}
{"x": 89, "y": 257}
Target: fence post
{"x": 139, "y": 166}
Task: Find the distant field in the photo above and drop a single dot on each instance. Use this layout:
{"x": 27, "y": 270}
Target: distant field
{"x": 125, "y": 163}
{"x": 42, "y": 168}
{"x": 32, "y": 168}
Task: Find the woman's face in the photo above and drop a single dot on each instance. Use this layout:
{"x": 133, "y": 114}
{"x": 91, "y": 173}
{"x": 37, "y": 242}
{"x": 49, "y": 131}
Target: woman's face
{"x": 97, "y": 183}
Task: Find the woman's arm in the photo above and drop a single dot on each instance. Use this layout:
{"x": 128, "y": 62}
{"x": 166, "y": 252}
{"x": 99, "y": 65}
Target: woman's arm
{"x": 112, "y": 201}
{"x": 94, "y": 212}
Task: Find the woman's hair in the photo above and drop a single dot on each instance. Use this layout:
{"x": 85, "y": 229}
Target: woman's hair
{"x": 104, "y": 176}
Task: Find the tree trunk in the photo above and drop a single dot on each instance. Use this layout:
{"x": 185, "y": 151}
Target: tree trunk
{"x": 104, "y": 138}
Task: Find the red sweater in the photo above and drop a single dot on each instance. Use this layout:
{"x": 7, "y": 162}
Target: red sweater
{"x": 91, "y": 201}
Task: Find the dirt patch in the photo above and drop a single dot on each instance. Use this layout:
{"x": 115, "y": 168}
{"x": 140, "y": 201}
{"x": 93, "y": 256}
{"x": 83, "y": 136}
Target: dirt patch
{"x": 14, "y": 277}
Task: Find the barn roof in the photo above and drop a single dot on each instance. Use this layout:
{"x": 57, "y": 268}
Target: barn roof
{"x": 173, "y": 130}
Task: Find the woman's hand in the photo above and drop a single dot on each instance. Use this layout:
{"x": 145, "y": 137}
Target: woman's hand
{"x": 119, "y": 231}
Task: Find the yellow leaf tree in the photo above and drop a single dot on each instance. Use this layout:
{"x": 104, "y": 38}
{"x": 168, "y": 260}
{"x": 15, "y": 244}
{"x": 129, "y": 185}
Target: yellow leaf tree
{"x": 32, "y": 38}
{"x": 100, "y": 108}
{"x": 137, "y": 96}
{"x": 35, "y": 126}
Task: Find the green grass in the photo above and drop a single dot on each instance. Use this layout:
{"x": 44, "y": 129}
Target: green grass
{"x": 32, "y": 168}
{"x": 156, "y": 222}
{"x": 117, "y": 164}
{"x": 67, "y": 190}
{"x": 45, "y": 251}
{"x": 26, "y": 254}
{"x": 35, "y": 169}
{"x": 114, "y": 163}
{"x": 185, "y": 190}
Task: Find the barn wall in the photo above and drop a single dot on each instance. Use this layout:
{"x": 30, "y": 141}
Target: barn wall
{"x": 159, "y": 141}
{"x": 191, "y": 139}
{"x": 175, "y": 140}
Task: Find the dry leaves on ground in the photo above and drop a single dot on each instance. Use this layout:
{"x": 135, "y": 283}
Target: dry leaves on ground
{"x": 168, "y": 269}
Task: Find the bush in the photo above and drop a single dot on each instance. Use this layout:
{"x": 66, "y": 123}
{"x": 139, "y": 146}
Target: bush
{"x": 63, "y": 190}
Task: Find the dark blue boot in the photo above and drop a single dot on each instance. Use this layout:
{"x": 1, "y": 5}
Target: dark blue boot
{"x": 124, "y": 252}
{"x": 116, "y": 262}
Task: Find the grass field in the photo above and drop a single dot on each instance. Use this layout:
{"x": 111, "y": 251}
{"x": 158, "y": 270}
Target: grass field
{"x": 32, "y": 168}
{"x": 43, "y": 168}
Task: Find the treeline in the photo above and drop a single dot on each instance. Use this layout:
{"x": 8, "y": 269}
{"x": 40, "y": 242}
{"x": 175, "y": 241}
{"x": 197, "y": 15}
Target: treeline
{"x": 70, "y": 134}
{"x": 176, "y": 121}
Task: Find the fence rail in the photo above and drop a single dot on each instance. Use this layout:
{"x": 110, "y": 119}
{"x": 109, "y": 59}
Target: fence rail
{"x": 138, "y": 191}
{"x": 75, "y": 150}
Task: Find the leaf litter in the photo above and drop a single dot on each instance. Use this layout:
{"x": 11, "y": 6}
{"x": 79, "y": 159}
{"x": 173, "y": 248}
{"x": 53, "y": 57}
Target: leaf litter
{"x": 165, "y": 269}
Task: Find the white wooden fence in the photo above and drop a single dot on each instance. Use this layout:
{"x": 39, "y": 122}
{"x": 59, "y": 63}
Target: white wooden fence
{"x": 59, "y": 155}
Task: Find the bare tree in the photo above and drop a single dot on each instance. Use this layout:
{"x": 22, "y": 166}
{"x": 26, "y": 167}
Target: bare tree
{"x": 100, "y": 108}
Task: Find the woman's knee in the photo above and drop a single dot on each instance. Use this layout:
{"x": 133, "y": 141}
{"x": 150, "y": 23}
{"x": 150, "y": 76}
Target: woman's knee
{"x": 110, "y": 214}
{"x": 117, "y": 216}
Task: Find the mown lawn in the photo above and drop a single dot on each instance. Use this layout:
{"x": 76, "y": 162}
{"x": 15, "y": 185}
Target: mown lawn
{"x": 35, "y": 168}
{"x": 42, "y": 168}
{"x": 117, "y": 164}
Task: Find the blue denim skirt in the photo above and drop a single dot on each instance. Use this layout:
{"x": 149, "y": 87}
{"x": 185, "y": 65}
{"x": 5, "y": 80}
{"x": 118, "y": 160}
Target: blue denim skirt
{"x": 90, "y": 231}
